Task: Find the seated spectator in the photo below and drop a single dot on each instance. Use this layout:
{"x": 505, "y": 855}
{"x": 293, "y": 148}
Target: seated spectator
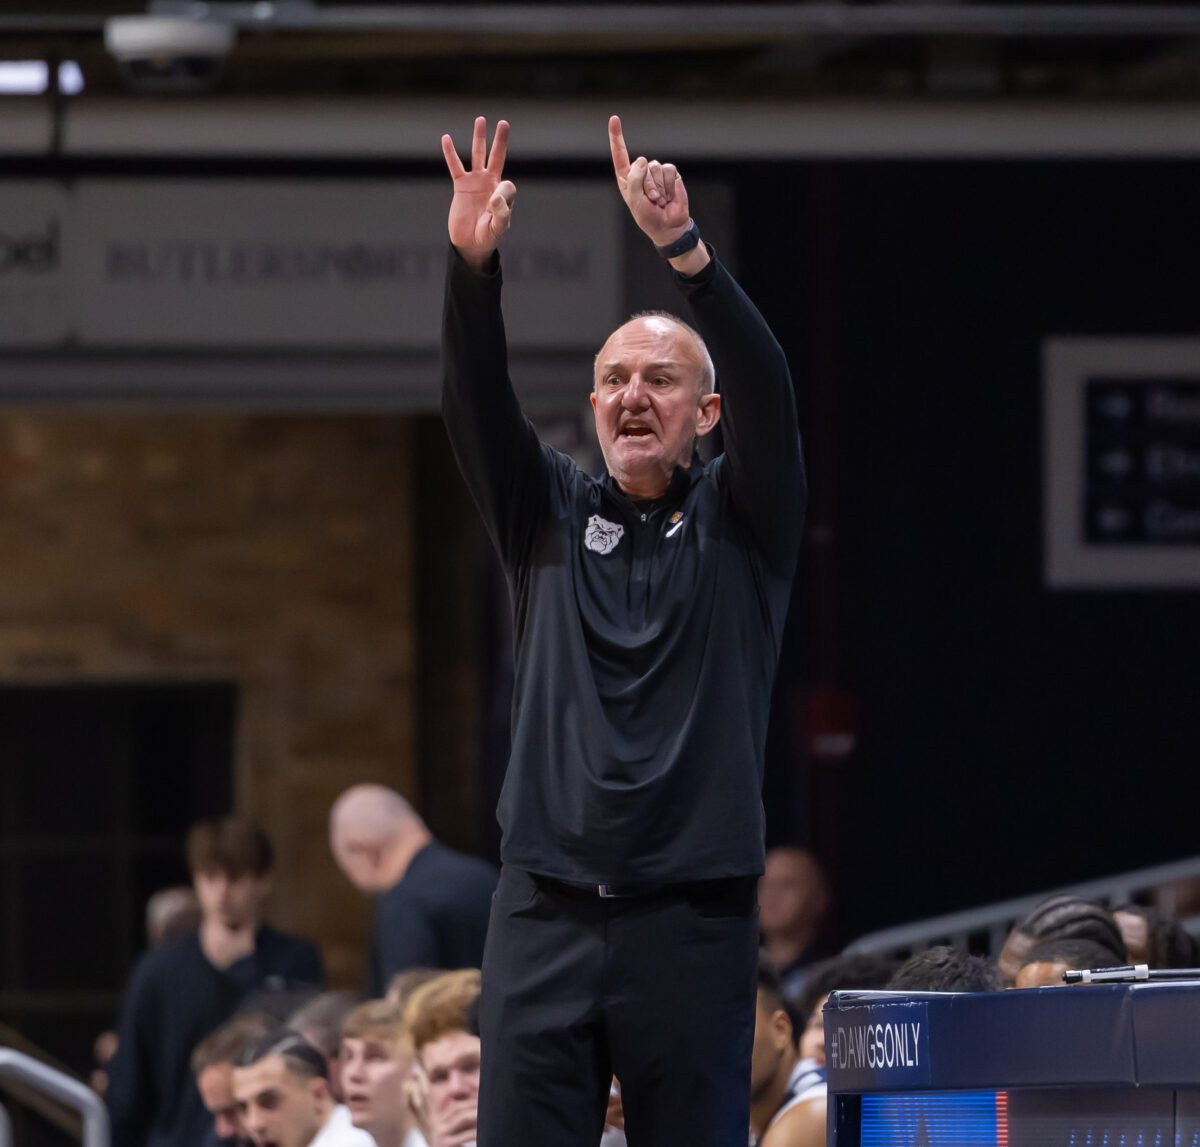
{"x": 376, "y": 1061}
{"x": 213, "y": 1062}
{"x": 863, "y": 973}
{"x": 1154, "y": 939}
{"x": 433, "y": 903}
{"x": 283, "y": 1097}
{"x": 1045, "y": 964}
{"x": 787, "y": 1093}
{"x": 403, "y": 984}
{"x": 945, "y": 969}
{"x": 188, "y": 987}
{"x": 442, "y": 1022}
{"x": 1062, "y": 917}
{"x": 171, "y": 913}
{"x": 319, "y": 1020}
{"x": 793, "y": 904}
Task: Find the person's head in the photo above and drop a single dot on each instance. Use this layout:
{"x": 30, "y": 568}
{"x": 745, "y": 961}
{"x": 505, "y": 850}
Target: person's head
{"x": 170, "y": 913}
{"x": 793, "y": 896}
{"x": 1046, "y": 962}
{"x": 865, "y": 972}
{"x": 213, "y": 1062}
{"x": 373, "y": 833}
{"x": 442, "y": 1022}
{"x": 653, "y": 397}
{"x": 1153, "y": 938}
{"x": 282, "y": 1093}
{"x": 376, "y": 1059}
{"x": 1062, "y": 917}
{"x": 773, "y": 1054}
{"x": 403, "y": 984}
{"x": 945, "y": 969}
{"x": 319, "y": 1020}
{"x": 230, "y": 863}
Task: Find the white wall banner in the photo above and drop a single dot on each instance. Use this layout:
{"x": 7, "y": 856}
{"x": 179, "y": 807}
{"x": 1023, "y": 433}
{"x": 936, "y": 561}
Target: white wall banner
{"x": 33, "y": 286}
{"x": 252, "y": 264}
{"x": 1122, "y": 462}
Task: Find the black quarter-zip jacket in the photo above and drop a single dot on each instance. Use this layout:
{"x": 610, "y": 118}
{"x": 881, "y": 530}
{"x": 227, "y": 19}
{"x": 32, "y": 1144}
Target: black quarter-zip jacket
{"x": 646, "y": 636}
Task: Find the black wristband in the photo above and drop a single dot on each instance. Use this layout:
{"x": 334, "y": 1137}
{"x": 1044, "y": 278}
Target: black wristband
{"x": 689, "y": 239}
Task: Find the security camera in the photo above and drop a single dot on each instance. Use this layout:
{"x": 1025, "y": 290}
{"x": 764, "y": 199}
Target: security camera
{"x": 167, "y": 54}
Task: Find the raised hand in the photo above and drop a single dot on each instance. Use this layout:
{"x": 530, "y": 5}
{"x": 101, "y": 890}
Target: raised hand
{"x": 653, "y": 191}
{"x": 481, "y": 210}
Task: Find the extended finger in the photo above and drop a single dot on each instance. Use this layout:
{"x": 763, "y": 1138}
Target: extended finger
{"x": 669, "y": 175}
{"x": 616, "y": 142}
{"x": 452, "y": 160}
{"x": 479, "y": 145}
{"x": 495, "y": 163}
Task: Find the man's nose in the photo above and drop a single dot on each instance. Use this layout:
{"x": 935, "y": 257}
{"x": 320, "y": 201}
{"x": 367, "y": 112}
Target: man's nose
{"x": 633, "y": 393}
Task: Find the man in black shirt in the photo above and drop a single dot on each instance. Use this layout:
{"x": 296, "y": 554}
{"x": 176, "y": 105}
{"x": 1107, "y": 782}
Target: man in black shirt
{"x": 433, "y": 902}
{"x": 184, "y": 990}
{"x": 648, "y": 610}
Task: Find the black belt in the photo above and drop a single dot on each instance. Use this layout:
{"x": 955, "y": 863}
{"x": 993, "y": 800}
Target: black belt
{"x": 627, "y": 891}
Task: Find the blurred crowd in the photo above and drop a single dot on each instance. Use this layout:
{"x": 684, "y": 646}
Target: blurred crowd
{"x": 226, "y": 1036}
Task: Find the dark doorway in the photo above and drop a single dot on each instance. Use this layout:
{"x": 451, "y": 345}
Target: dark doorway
{"x": 98, "y": 784}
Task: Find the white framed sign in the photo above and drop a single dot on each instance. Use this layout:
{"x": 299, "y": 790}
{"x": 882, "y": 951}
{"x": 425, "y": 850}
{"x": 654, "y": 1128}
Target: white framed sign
{"x": 1121, "y": 462}
{"x": 274, "y": 264}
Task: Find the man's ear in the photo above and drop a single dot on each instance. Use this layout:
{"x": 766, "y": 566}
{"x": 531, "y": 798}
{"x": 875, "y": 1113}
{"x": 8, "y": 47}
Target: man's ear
{"x": 710, "y": 414}
{"x": 781, "y": 1027}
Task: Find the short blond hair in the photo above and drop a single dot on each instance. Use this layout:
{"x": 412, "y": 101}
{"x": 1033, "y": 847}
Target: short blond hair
{"x": 441, "y": 1006}
{"x": 379, "y": 1018}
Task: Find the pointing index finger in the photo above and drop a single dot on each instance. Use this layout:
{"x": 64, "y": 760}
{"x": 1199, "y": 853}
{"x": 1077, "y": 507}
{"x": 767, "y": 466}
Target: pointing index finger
{"x": 620, "y": 153}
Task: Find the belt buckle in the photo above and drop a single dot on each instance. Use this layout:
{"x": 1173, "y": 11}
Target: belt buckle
{"x": 606, "y": 892}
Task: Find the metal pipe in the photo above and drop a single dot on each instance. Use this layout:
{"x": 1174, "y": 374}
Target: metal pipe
{"x": 62, "y": 1087}
{"x": 666, "y": 21}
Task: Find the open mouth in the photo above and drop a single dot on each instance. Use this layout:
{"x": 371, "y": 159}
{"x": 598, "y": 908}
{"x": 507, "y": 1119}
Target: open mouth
{"x": 636, "y": 432}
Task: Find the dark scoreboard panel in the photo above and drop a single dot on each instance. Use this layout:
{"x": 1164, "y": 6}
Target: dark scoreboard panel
{"x": 1107, "y": 1066}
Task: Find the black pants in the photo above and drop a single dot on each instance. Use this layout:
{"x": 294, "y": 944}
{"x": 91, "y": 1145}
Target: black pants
{"x": 658, "y": 990}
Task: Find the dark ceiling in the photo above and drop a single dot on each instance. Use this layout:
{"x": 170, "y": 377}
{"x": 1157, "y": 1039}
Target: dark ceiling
{"x": 1095, "y": 51}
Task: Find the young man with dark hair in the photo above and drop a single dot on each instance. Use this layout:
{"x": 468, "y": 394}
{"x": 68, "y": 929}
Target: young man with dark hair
{"x": 787, "y": 1093}
{"x": 945, "y": 969}
{"x": 185, "y": 989}
{"x": 864, "y": 973}
{"x": 1044, "y": 965}
{"x": 213, "y": 1063}
{"x": 283, "y": 1097}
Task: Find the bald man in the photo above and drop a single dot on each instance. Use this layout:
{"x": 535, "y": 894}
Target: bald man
{"x": 433, "y": 903}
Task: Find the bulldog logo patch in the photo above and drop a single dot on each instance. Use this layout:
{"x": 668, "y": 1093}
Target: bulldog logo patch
{"x": 601, "y": 536}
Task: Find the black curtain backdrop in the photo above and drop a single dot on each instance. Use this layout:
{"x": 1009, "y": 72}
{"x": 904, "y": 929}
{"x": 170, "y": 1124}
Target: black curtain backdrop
{"x": 1010, "y": 737}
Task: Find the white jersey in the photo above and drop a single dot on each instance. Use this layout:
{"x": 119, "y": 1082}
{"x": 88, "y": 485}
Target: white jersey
{"x": 807, "y": 1081}
{"x": 340, "y": 1132}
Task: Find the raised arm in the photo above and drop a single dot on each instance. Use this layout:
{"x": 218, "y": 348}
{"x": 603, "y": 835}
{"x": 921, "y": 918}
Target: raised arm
{"x": 758, "y": 405}
{"x": 496, "y": 447}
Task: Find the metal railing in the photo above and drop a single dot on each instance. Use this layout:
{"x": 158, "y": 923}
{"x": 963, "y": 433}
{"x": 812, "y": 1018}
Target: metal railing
{"x": 58, "y": 1085}
{"x": 983, "y": 930}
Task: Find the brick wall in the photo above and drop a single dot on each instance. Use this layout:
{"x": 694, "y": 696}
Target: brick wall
{"x": 275, "y": 552}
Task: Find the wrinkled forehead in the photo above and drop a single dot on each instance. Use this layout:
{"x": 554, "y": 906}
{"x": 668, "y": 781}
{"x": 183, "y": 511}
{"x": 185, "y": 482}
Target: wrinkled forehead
{"x": 650, "y": 338}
